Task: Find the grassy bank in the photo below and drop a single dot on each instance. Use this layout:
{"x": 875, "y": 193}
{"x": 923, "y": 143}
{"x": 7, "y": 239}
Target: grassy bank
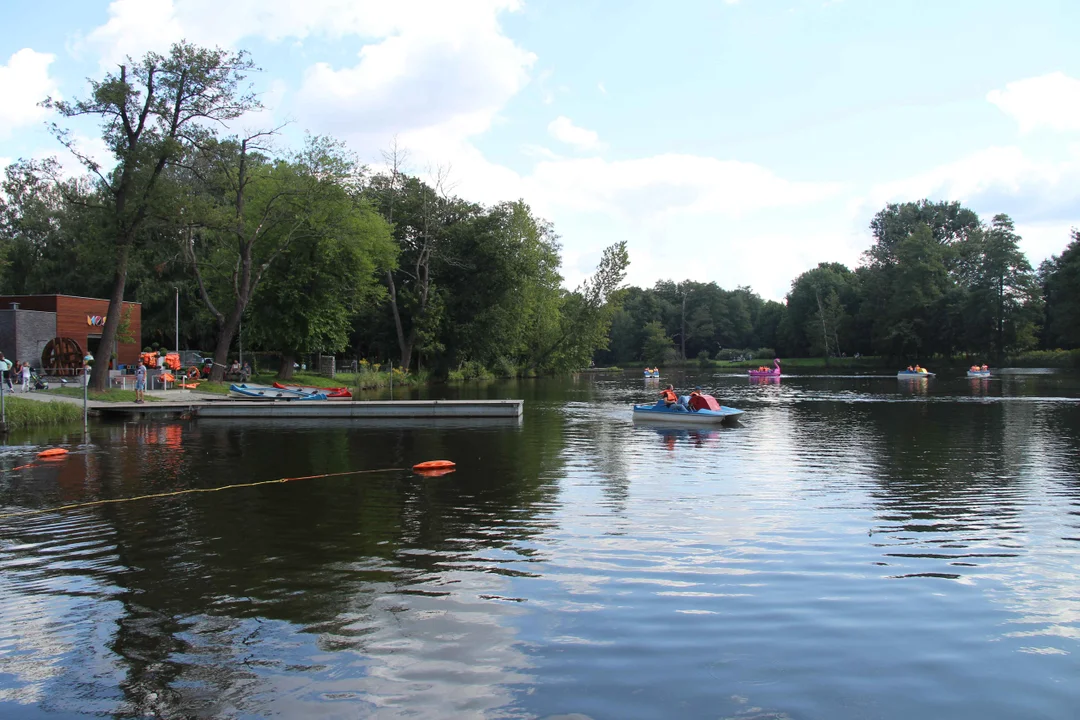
{"x": 1046, "y": 358}
{"x": 22, "y": 413}
{"x": 110, "y": 395}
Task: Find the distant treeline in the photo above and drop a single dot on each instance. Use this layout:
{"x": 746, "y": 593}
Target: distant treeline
{"x": 937, "y": 281}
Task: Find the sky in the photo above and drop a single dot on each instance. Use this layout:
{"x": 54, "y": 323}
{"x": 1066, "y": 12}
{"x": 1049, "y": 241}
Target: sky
{"x": 735, "y": 141}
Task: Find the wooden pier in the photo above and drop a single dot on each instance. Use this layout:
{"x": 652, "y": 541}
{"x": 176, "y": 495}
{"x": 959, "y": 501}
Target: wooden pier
{"x": 428, "y": 409}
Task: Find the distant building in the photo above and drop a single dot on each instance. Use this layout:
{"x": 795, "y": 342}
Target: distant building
{"x": 32, "y": 324}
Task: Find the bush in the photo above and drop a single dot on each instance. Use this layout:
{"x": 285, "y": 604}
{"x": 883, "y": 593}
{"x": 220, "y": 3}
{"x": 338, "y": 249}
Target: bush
{"x": 703, "y": 359}
{"x": 469, "y": 370}
{"x": 24, "y": 413}
{"x": 1046, "y": 358}
{"x": 505, "y": 368}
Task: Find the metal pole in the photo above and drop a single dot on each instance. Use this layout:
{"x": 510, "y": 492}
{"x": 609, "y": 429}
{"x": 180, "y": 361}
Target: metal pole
{"x": 241, "y": 336}
{"x": 85, "y": 391}
{"x": 3, "y": 404}
{"x": 176, "y": 348}
{"x": 391, "y": 379}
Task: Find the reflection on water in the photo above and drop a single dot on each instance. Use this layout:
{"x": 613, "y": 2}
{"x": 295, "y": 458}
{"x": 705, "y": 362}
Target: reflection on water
{"x": 857, "y": 547}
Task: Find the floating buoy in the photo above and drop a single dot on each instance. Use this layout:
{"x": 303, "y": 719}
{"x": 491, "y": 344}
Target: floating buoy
{"x": 434, "y": 473}
{"x": 434, "y": 468}
{"x": 52, "y": 453}
{"x": 434, "y": 465}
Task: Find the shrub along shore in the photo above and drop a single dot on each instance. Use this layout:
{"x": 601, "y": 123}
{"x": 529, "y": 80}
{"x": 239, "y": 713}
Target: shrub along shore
{"x": 21, "y": 413}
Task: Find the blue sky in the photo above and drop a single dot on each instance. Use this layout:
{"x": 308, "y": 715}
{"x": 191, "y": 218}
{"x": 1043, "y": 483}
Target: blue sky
{"x": 741, "y": 142}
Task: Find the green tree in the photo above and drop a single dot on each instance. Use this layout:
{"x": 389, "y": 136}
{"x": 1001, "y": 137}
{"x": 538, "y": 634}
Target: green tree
{"x": 585, "y": 315}
{"x": 151, "y": 112}
{"x": 306, "y": 302}
{"x": 1008, "y": 280}
{"x": 246, "y": 209}
{"x": 658, "y": 348}
{"x": 1060, "y": 278}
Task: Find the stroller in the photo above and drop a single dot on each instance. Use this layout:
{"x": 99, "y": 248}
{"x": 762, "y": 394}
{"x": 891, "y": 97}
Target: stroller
{"x": 37, "y": 382}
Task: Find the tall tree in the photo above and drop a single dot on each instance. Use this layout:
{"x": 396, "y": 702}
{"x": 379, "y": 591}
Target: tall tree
{"x": 253, "y": 208}
{"x": 1007, "y": 282}
{"x": 151, "y": 112}
{"x": 325, "y": 276}
{"x": 585, "y": 315}
{"x": 1060, "y": 277}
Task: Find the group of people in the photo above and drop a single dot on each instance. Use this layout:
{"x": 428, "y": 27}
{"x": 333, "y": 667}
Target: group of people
{"x": 977, "y": 368}
{"x": 917, "y": 369}
{"x": 20, "y": 370}
{"x": 669, "y": 397}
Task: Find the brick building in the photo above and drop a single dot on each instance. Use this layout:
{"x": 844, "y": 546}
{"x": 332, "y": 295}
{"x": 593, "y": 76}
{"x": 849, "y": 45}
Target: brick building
{"x": 29, "y": 322}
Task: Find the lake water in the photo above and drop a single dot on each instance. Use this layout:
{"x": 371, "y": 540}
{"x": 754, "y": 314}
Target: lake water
{"x": 858, "y": 547}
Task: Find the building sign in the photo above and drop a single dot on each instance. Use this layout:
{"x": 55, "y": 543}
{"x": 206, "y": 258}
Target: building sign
{"x": 95, "y": 320}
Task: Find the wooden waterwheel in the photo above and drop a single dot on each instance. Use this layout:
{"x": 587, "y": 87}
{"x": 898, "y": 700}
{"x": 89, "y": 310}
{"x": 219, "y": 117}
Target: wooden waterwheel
{"x": 62, "y": 355}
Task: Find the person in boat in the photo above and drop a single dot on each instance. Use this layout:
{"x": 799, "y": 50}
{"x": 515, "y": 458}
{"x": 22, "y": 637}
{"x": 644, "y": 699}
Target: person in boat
{"x": 692, "y": 404}
{"x": 918, "y": 369}
{"x": 985, "y": 368}
{"x": 910, "y": 369}
{"x": 668, "y": 396}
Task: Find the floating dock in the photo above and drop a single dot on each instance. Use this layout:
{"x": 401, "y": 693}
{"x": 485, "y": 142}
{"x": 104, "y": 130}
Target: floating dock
{"x": 320, "y": 409}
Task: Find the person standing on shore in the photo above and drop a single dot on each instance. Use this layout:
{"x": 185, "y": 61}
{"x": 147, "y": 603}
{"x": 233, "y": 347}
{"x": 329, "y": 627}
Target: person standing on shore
{"x": 140, "y": 381}
{"x": 5, "y": 370}
{"x": 24, "y": 375}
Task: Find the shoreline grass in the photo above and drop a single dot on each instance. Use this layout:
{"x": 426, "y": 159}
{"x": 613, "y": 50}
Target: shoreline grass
{"x": 110, "y": 395}
{"x": 21, "y": 413}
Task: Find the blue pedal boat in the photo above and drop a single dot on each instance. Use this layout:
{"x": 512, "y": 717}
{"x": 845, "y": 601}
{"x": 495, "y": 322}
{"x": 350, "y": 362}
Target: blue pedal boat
{"x": 680, "y": 414}
{"x": 264, "y": 392}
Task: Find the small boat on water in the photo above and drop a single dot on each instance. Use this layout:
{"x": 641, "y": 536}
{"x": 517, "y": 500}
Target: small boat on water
{"x": 766, "y": 372}
{"x": 652, "y": 373}
{"x": 338, "y": 393}
{"x": 712, "y": 414}
{"x": 267, "y": 392}
{"x": 978, "y": 371}
{"x": 914, "y": 375}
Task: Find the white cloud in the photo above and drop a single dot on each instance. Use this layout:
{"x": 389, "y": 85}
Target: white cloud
{"x": 998, "y": 179}
{"x": 601, "y": 88}
{"x": 1048, "y": 101}
{"x": 427, "y": 70}
{"x": 417, "y": 80}
{"x": 564, "y": 130}
{"x": 24, "y": 82}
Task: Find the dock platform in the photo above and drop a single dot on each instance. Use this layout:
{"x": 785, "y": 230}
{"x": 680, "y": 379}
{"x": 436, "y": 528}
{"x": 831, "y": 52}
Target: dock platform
{"x": 318, "y": 409}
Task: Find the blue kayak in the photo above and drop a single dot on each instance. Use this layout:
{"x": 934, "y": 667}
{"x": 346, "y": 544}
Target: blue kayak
{"x": 680, "y": 414}
{"x": 264, "y": 392}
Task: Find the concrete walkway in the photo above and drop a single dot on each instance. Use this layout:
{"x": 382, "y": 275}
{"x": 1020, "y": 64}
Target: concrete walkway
{"x": 166, "y": 395}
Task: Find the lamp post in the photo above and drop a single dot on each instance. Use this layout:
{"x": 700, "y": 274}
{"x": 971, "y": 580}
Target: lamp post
{"x": 177, "y": 345}
{"x": 88, "y": 361}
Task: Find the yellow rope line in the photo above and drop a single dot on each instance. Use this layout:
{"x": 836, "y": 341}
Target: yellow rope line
{"x": 192, "y": 490}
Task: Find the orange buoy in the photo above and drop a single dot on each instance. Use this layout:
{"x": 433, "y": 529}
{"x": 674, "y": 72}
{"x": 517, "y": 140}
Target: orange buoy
{"x": 434, "y": 465}
{"x": 435, "y": 473}
{"x": 52, "y": 452}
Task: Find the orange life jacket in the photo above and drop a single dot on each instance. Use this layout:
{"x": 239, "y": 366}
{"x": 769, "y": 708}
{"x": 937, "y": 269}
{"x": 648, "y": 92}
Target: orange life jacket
{"x": 669, "y": 396}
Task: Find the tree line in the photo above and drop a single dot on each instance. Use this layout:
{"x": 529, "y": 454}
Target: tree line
{"x": 937, "y": 281}
{"x": 306, "y": 248}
